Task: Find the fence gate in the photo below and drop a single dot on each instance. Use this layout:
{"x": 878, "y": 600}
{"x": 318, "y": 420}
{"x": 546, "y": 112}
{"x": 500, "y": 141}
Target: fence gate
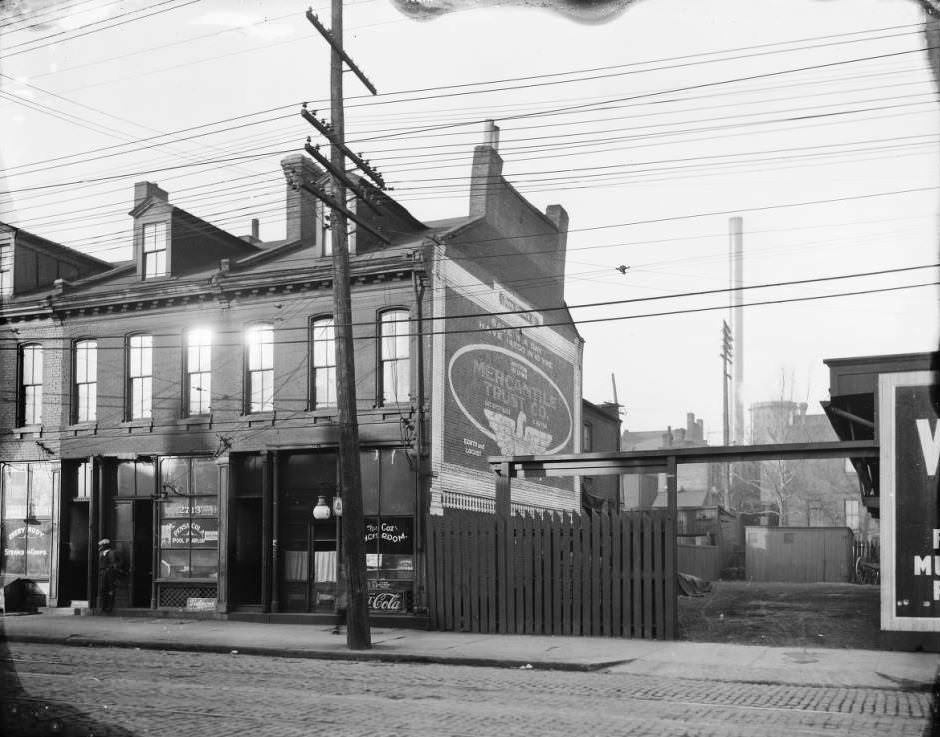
{"x": 553, "y": 574}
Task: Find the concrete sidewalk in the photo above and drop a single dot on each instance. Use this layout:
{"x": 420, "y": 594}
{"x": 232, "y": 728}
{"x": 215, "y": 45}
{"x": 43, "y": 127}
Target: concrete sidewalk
{"x": 704, "y": 661}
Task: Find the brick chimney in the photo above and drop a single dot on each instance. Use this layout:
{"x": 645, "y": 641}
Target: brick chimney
{"x": 486, "y": 172}
{"x": 145, "y": 190}
{"x": 300, "y": 205}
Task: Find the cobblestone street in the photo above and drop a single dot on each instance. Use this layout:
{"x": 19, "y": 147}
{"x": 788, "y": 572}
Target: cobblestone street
{"x": 123, "y": 691}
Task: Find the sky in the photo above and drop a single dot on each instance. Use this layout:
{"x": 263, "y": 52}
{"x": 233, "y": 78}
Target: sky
{"x": 816, "y": 121}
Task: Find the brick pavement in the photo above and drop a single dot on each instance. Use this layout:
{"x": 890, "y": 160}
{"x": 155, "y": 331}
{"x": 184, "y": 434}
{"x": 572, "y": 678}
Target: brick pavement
{"x": 181, "y": 693}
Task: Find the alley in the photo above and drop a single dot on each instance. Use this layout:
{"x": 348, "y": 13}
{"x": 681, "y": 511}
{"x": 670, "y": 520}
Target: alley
{"x": 139, "y": 692}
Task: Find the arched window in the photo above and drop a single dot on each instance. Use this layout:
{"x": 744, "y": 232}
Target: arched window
{"x": 259, "y": 368}
{"x": 30, "y": 394}
{"x": 322, "y": 363}
{"x": 85, "y": 373}
{"x": 394, "y": 357}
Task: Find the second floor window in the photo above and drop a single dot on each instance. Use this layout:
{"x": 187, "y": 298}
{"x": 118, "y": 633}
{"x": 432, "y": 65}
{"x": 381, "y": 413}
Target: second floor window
{"x": 30, "y": 409}
{"x": 198, "y": 372}
{"x": 259, "y": 369}
{"x": 394, "y": 361}
{"x": 139, "y": 377}
{"x": 6, "y": 268}
{"x": 323, "y": 364}
{"x": 86, "y": 381}
{"x": 155, "y": 240}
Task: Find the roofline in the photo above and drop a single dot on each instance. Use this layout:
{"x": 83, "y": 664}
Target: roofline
{"x": 57, "y": 246}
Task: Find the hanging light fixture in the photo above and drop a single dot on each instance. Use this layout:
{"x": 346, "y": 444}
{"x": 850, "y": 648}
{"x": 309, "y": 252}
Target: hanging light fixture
{"x": 322, "y": 510}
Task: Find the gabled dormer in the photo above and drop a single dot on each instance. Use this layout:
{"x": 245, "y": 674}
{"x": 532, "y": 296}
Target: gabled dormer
{"x": 168, "y": 241}
{"x": 29, "y": 262}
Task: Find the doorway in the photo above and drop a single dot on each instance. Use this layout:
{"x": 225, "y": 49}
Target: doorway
{"x": 246, "y": 553}
{"x": 75, "y": 558}
{"x": 133, "y": 544}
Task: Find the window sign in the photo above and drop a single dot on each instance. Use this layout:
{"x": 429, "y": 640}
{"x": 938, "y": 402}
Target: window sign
{"x": 27, "y": 493}
{"x": 189, "y": 524}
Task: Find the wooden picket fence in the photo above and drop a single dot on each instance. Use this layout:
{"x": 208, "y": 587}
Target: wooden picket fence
{"x": 553, "y": 574}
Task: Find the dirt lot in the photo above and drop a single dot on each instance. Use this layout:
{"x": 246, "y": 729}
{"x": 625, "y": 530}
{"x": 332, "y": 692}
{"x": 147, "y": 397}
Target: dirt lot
{"x": 783, "y": 614}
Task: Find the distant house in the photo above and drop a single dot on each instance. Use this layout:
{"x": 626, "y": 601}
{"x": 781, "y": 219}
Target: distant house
{"x": 600, "y": 430}
{"x": 697, "y": 483}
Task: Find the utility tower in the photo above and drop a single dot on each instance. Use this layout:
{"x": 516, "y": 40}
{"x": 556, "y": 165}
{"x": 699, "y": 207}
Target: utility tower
{"x": 358, "y": 635}
{"x": 727, "y": 358}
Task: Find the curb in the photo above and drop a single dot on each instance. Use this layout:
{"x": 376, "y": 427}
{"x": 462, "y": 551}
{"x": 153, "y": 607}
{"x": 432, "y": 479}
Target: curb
{"x": 347, "y": 655}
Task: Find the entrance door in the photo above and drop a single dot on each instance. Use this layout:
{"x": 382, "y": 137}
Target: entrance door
{"x": 246, "y": 553}
{"x": 75, "y": 553}
{"x": 133, "y": 544}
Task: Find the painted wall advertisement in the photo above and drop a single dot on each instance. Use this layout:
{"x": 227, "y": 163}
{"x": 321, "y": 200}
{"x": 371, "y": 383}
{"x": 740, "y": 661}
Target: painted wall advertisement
{"x": 911, "y": 452}
{"x": 507, "y": 393}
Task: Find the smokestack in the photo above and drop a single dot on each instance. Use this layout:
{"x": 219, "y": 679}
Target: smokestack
{"x": 736, "y": 275}
{"x": 255, "y": 228}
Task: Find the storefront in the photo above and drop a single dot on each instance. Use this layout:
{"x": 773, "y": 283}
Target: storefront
{"x": 286, "y": 528}
{"x": 26, "y": 511}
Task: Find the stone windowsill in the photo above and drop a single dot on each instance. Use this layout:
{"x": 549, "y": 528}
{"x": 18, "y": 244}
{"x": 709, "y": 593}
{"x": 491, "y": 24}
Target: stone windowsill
{"x": 83, "y": 428}
{"x": 259, "y": 418}
{"x": 195, "y": 421}
{"x": 25, "y": 430}
{"x": 143, "y": 423}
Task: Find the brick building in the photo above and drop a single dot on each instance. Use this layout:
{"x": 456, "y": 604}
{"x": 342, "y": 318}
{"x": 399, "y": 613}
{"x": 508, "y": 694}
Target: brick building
{"x": 183, "y": 403}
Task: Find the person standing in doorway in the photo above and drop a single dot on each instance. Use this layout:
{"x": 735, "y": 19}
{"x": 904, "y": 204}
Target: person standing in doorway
{"x": 107, "y": 576}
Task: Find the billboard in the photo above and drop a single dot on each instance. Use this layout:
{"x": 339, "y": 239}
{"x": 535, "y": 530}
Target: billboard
{"x": 909, "y": 430}
{"x": 508, "y": 390}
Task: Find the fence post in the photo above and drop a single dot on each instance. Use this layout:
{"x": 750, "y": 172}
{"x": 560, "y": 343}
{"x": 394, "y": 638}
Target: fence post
{"x": 672, "y": 551}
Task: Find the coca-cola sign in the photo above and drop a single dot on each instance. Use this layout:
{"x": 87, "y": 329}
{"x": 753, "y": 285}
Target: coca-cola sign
{"x": 387, "y": 601}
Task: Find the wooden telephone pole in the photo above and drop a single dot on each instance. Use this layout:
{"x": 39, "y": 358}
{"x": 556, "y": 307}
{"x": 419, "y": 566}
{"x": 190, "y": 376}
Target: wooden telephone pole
{"x": 358, "y": 635}
{"x": 727, "y": 354}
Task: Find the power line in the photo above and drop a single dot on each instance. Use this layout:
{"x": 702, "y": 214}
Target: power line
{"x": 587, "y": 305}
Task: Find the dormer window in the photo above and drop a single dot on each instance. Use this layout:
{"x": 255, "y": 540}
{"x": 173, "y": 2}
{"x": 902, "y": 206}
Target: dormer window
{"x": 155, "y": 246}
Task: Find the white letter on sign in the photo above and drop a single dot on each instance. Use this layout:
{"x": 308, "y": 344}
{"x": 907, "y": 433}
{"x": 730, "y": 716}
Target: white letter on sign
{"x": 930, "y": 445}
{"x": 922, "y": 565}
{"x": 936, "y": 590}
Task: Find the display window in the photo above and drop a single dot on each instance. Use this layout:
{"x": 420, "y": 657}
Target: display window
{"x": 189, "y": 519}
{"x": 26, "y": 514}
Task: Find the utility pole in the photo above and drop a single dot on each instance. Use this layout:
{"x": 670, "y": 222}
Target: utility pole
{"x": 358, "y": 635}
{"x": 727, "y": 353}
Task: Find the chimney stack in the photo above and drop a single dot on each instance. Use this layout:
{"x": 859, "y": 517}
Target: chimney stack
{"x": 255, "y": 229}
{"x": 486, "y": 172}
{"x": 491, "y": 135}
{"x": 145, "y": 190}
{"x": 300, "y": 205}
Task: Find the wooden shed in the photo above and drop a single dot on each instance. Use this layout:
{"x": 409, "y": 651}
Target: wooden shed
{"x": 798, "y": 554}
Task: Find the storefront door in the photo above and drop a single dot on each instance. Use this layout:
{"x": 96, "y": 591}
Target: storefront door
{"x": 133, "y": 543}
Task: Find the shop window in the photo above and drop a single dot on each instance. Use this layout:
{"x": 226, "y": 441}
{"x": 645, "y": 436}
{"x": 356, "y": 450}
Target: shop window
{"x": 30, "y": 394}
{"x": 139, "y": 377}
{"x": 84, "y": 481}
{"x": 259, "y": 369}
{"x": 394, "y": 358}
{"x": 198, "y": 385}
{"x": 86, "y": 381}
{"x": 27, "y": 494}
{"x": 155, "y": 247}
{"x": 323, "y": 363}
{"x": 189, "y": 519}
